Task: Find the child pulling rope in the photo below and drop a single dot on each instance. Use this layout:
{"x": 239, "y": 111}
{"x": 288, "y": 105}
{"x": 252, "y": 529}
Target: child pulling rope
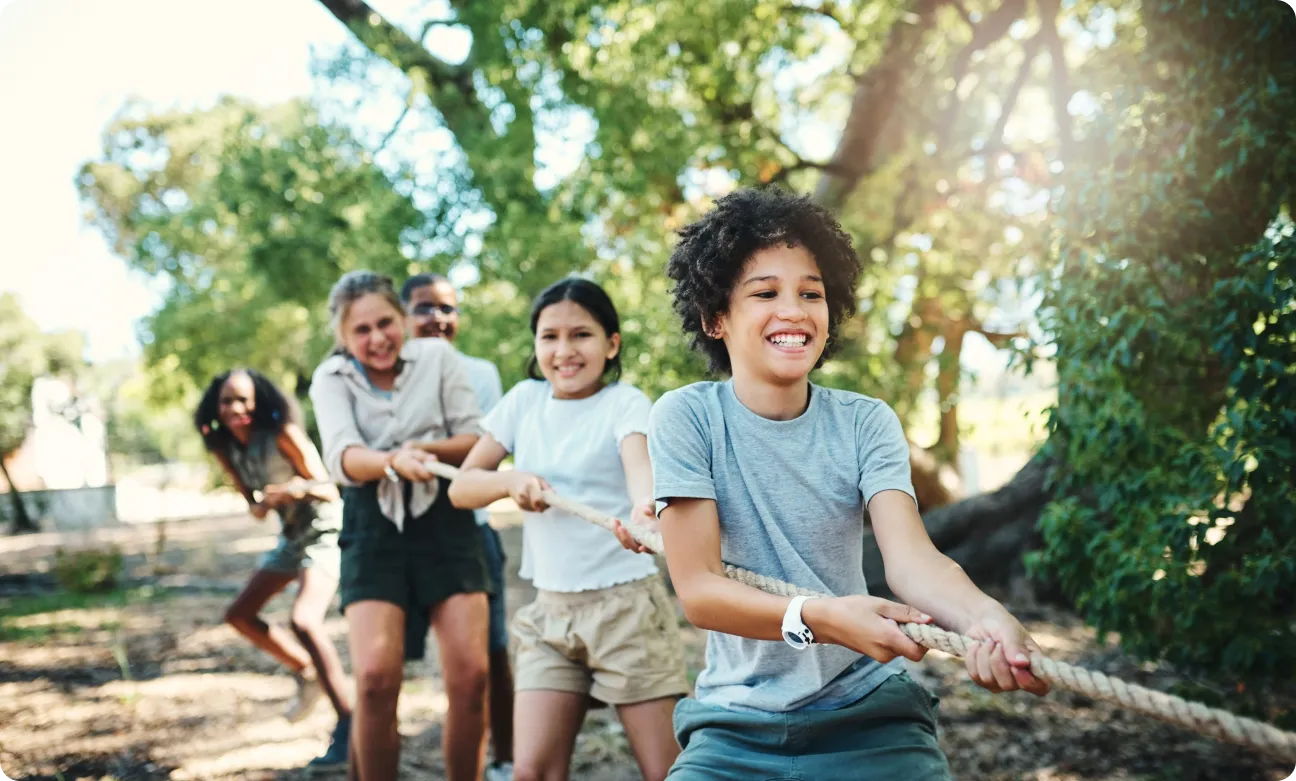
{"x": 1195, "y": 716}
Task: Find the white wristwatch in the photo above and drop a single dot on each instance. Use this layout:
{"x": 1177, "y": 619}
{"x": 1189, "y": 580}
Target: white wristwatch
{"x": 795, "y": 632}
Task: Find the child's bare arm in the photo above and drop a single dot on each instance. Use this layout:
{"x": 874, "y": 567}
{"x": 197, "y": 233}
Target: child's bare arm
{"x": 922, "y": 576}
{"x": 691, "y": 532}
{"x": 479, "y": 482}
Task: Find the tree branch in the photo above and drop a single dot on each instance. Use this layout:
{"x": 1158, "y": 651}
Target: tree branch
{"x": 800, "y": 165}
{"x": 874, "y": 104}
{"x": 428, "y": 25}
{"x": 409, "y": 103}
{"x": 990, "y": 30}
{"x": 1061, "y": 88}
{"x": 450, "y": 87}
{"x": 997, "y": 338}
{"x": 995, "y": 141}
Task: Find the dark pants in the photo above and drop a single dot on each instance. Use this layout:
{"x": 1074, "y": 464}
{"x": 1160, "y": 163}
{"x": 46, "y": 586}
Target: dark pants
{"x": 438, "y": 555}
{"x": 889, "y": 735}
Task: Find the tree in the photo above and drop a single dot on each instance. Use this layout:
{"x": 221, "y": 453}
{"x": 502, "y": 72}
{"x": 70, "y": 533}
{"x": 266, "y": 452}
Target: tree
{"x": 26, "y": 354}
{"x": 250, "y": 214}
{"x": 1173, "y": 306}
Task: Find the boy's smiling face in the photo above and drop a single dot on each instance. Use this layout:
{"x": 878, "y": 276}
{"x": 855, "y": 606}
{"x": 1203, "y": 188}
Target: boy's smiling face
{"x": 776, "y": 326}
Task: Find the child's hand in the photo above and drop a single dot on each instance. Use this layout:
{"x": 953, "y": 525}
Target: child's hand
{"x": 643, "y": 516}
{"x": 1001, "y": 663}
{"x": 284, "y": 493}
{"x": 527, "y": 491}
{"x": 411, "y": 463}
{"x": 866, "y": 625}
{"x": 258, "y": 510}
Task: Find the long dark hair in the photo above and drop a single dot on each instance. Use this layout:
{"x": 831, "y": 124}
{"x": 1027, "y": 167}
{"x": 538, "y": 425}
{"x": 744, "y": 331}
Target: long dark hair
{"x": 273, "y": 410}
{"x": 592, "y": 299}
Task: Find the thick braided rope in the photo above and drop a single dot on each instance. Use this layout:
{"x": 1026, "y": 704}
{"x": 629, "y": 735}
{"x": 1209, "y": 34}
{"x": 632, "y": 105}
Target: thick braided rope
{"x": 1195, "y": 716}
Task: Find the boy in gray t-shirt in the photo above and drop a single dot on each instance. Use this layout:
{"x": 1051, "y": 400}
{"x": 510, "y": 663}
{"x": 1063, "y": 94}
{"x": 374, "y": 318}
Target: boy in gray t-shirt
{"x": 772, "y": 473}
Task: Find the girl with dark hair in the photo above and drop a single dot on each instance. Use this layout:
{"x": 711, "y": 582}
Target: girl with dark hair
{"x": 386, "y": 408}
{"x": 252, "y": 429}
{"x": 602, "y": 629}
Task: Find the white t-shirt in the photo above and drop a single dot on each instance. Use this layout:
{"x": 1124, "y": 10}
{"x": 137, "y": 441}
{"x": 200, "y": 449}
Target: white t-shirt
{"x": 574, "y": 444}
{"x": 485, "y": 381}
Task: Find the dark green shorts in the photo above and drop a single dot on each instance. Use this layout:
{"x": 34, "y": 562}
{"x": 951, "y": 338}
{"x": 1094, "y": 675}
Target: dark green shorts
{"x": 437, "y": 556}
{"x": 889, "y": 735}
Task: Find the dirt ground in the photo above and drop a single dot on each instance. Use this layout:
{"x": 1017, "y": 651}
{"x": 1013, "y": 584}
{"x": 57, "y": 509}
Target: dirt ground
{"x": 146, "y": 683}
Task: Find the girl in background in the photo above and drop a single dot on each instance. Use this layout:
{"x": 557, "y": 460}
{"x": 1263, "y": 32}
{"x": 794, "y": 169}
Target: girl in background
{"x": 252, "y": 429}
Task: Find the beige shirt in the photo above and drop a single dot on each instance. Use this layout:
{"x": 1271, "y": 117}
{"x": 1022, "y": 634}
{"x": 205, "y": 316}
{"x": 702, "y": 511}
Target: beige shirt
{"x": 430, "y": 400}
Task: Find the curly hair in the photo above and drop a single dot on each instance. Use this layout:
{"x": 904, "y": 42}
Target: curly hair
{"x": 713, "y": 251}
{"x": 273, "y": 409}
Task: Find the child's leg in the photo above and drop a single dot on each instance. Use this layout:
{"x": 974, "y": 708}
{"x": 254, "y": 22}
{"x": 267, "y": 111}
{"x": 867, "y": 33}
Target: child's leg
{"x": 552, "y": 688}
{"x": 314, "y": 594}
{"x": 377, "y": 634}
{"x": 460, "y": 624}
{"x": 244, "y": 615}
{"x": 637, "y": 657}
{"x": 545, "y": 724}
{"x": 652, "y": 738}
{"x": 501, "y": 674}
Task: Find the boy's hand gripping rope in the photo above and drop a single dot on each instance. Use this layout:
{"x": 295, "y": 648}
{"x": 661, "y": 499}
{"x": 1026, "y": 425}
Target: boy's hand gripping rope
{"x": 1176, "y": 710}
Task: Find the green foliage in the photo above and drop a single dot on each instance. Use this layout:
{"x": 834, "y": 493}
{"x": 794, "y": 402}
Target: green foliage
{"x": 685, "y": 100}
{"x": 88, "y": 571}
{"x": 1173, "y": 304}
{"x": 249, "y": 215}
{"x": 37, "y": 618}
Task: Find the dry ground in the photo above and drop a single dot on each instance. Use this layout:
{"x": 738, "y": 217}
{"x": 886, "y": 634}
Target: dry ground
{"x": 146, "y": 684}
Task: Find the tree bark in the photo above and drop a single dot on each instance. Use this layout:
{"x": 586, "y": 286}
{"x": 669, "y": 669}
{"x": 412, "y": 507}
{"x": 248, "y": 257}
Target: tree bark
{"x": 22, "y": 522}
{"x": 877, "y": 95}
{"x": 986, "y": 534}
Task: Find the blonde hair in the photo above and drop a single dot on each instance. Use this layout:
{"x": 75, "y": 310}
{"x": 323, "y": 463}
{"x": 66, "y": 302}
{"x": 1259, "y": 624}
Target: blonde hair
{"x": 353, "y": 286}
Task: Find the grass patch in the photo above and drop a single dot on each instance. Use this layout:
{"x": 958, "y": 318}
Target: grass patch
{"x": 13, "y": 609}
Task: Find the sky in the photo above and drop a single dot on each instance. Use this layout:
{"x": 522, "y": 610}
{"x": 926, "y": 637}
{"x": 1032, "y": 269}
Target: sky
{"x": 66, "y": 67}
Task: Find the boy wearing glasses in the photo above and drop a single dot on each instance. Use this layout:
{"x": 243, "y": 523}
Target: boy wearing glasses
{"x": 433, "y": 307}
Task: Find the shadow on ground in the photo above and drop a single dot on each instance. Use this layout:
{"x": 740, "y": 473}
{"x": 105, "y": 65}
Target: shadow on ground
{"x": 147, "y": 684}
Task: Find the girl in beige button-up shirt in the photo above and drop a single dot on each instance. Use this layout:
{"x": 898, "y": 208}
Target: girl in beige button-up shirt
{"x": 385, "y": 407}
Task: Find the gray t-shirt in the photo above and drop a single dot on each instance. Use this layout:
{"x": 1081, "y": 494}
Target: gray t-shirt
{"x": 791, "y": 497}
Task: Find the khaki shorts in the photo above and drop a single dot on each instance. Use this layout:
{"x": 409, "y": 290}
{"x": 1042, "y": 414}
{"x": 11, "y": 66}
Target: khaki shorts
{"x": 620, "y": 645}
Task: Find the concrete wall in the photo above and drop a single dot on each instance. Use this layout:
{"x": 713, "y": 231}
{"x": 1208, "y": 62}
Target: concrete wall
{"x": 68, "y": 509}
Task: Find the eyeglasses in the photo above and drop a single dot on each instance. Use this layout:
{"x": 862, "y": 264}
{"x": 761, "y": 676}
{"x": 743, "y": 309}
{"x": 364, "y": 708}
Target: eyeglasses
{"x": 424, "y": 309}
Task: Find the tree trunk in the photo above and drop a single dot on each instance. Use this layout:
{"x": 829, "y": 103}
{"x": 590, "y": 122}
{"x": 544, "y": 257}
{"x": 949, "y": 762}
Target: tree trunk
{"x": 22, "y": 522}
{"x": 986, "y": 534}
{"x": 876, "y": 100}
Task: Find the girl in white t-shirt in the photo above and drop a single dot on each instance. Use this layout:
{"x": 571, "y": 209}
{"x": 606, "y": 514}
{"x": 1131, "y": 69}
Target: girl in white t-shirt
{"x": 602, "y": 629}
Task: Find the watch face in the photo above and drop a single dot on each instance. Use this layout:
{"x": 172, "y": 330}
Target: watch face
{"x": 794, "y": 638}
